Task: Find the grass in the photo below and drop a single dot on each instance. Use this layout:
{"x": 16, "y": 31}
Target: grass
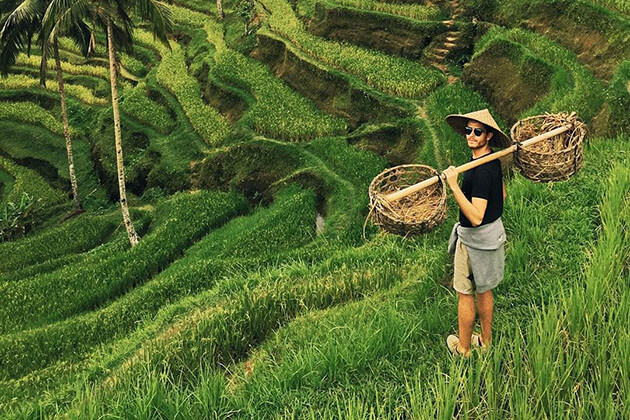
{"x": 20, "y": 81}
{"x": 31, "y": 302}
{"x": 30, "y": 113}
{"x": 232, "y": 310}
{"x": 172, "y": 74}
{"x": 376, "y": 355}
{"x": 615, "y": 5}
{"x": 48, "y": 151}
{"x": 573, "y": 87}
{"x": 77, "y": 235}
{"x": 287, "y": 225}
{"x": 6, "y": 185}
{"x": 137, "y": 104}
{"x": 275, "y": 110}
{"x": 419, "y": 12}
{"x": 67, "y": 68}
{"x": 28, "y": 181}
{"x": 210, "y": 264}
{"x": 395, "y": 76}
{"x": 618, "y": 99}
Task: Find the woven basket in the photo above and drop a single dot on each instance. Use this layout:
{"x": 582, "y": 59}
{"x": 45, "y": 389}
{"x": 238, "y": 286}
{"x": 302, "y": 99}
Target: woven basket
{"x": 553, "y": 159}
{"x": 415, "y": 214}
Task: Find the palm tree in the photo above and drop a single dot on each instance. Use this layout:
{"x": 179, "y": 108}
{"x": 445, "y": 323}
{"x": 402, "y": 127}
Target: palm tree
{"x": 113, "y": 17}
{"x": 23, "y": 21}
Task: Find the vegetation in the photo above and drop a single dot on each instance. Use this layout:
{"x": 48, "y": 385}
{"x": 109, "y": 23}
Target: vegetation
{"x": 414, "y": 11}
{"x": 30, "y": 113}
{"x": 572, "y": 86}
{"x": 276, "y": 111}
{"x": 396, "y": 76}
{"x": 137, "y": 104}
{"x": 249, "y": 137}
{"x": 172, "y": 73}
{"x": 17, "y": 218}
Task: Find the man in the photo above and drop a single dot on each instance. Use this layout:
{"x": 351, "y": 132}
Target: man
{"x": 478, "y": 238}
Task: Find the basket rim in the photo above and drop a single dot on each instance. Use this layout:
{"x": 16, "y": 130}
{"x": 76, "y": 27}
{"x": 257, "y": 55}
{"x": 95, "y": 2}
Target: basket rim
{"x": 407, "y": 165}
{"x": 397, "y": 220}
{"x": 536, "y": 116}
{"x": 556, "y": 152}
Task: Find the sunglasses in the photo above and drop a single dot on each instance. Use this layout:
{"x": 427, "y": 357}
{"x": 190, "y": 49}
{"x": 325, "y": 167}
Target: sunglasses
{"x": 478, "y": 131}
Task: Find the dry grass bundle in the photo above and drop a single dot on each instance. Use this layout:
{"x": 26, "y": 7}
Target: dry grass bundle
{"x": 554, "y": 159}
{"x": 414, "y": 214}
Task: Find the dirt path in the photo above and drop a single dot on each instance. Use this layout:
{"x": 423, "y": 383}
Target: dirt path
{"x": 422, "y": 114}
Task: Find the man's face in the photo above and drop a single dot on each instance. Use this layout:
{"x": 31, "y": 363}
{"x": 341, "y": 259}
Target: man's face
{"x": 477, "y": 135}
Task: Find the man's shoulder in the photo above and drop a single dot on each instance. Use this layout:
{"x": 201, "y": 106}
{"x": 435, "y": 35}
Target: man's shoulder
{"x": 492, "y": 167}
{"x": 487, "y": 168}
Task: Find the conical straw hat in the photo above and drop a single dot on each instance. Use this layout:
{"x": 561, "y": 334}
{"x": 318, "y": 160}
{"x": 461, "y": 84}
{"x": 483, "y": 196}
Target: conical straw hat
{"x": 458, "y": 122}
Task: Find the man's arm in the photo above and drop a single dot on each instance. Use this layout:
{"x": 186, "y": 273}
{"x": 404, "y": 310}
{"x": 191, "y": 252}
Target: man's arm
{"x": 504, "y": 191}
{"x": 475, "y": 210}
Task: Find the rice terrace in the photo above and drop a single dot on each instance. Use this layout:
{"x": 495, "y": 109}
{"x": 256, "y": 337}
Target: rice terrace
{"x": 248, "y": 209}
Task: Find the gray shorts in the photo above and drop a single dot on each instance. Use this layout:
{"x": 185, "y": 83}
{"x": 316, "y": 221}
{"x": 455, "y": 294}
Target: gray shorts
{"x": 487, "y": 277}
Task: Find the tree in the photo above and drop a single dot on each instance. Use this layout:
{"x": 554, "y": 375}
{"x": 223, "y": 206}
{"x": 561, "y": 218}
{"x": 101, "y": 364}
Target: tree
{"x": 112, "y": 16}
{"x": 23, "y": 21}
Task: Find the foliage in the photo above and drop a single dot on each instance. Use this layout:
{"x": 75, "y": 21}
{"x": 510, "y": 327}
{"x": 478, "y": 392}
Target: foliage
{"x": 74, "y": 236}
{"x": 133, "y": 65}
{"x": 289, "y": 223}
{"x": 277, "y": 111}
{"x": 172, "y": 74}
{"x": 235, "y": 309}
{"x": 17, "y": 219}
{"x": 28, "y": 181}
{"x": 419, "y": 12}
{"x": 618, "y": 100}
{"x": 32, "y": 302}
{"x": 136, "y": 103}
{"x": 20, "y": 81}
{"x": 617, "y": 5}
{"x": 396, "y": 76}
{"x": 69, "y": 68}
{"x": 573, "y": 87}
{"x": 31, "y": 113}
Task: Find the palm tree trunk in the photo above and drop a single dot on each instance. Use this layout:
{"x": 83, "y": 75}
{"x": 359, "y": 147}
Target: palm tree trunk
{"x": 131, "y": 232}
{"x": 43, "y": 67}
{"x": 220, "y": 9}
{"x": 66, "y": 126}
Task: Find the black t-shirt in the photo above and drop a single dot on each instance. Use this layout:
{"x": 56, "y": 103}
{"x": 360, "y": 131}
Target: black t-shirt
{"x": 485, "y": 181}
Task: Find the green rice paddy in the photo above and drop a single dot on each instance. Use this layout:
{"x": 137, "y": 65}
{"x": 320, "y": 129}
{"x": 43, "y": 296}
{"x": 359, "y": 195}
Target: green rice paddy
{"x": 256, "y": 291}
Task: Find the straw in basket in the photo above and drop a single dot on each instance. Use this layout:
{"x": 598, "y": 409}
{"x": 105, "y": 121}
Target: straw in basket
{"x": 554, "y": 159}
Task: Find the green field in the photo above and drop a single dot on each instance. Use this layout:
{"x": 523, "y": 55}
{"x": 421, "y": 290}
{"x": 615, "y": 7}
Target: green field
{"x": 256, "y": 290}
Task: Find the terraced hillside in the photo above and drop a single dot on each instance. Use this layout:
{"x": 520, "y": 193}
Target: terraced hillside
{"x": 249, "y": 144}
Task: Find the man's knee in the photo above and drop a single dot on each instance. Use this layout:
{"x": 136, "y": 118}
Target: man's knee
{"x": 485, "y": 295}
{"x": 466, "y": 298}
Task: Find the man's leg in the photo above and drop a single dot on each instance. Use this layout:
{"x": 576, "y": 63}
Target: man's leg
{"x": 466, "y": 317}
{"x": 485, "y": 306}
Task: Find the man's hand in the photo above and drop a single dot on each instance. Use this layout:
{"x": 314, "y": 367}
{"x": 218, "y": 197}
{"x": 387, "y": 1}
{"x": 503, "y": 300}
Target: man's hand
{"x": 451, "y": 175}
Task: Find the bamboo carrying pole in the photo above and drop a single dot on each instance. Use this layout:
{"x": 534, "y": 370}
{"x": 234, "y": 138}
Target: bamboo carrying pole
{"x": 470, "y": 165}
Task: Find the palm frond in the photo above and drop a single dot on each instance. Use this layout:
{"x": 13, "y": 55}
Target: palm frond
{"x": 26, "y": 11}
{"x": 81, "y": 34}
{"x": 61, "y": 16}
{"x": 158, "y": 15}
{"x": 17, "y": 30}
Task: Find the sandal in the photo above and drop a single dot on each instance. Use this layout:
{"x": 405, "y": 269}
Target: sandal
{"x": 476, "y": 341}
{"x": 452, "y": 342}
